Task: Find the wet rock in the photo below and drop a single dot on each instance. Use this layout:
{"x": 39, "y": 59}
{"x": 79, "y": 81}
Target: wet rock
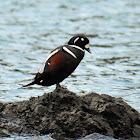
{"x": 66, "y": 115}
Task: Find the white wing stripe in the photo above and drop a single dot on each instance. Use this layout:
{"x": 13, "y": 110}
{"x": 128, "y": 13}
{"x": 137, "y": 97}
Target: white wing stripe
{"x": 74, "y": 46}
{"x": 41, "y": 70}
{"x": 70, "y": 52}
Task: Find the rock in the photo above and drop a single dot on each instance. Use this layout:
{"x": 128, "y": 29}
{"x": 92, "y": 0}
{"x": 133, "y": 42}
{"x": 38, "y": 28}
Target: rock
{"x": 66, "y": 115}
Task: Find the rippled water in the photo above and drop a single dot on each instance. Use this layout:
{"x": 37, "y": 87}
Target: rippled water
{"x": 29, "y": 30}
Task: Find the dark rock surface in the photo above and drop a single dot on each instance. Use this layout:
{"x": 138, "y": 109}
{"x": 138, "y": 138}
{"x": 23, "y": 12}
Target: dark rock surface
{"x": 66, "y": 115}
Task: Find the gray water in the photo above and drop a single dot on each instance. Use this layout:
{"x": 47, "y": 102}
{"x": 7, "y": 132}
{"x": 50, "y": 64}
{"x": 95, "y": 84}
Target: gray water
{"x": 29, "y": 30}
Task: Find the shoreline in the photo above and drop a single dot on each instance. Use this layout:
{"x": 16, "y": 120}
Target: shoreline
{"x": 63, "y": 114}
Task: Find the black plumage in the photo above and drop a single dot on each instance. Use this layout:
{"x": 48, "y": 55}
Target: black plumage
{"x": 61, "y": 62}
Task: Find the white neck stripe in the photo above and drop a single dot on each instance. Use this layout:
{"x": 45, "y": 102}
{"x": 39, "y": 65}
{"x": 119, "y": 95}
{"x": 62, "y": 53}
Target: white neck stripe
{"x": 74, "y": 46}
{"x": 69, "y": 52}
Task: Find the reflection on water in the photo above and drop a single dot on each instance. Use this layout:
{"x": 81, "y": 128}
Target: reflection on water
{"x": 31, "y": 29}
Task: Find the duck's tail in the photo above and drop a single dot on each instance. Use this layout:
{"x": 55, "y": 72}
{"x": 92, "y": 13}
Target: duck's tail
{"x": 32, "y": 83}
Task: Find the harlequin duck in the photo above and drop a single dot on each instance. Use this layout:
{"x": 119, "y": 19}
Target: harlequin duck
{"x": 61, "y": 62}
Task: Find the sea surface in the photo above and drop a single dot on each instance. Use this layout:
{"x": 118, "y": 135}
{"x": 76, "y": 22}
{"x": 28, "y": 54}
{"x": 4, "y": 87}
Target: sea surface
{"x": 30, "y": 30}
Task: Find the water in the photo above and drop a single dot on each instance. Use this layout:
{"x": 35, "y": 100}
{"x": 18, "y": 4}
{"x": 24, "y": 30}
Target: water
{"x": 29, "y": 30}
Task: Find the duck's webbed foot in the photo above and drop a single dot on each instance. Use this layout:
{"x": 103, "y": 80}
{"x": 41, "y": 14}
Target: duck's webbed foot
{"x": 58, "y": 86}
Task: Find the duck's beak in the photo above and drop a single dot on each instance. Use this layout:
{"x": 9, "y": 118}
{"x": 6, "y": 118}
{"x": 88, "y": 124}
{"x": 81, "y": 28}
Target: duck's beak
{"x": 87, "y": 48}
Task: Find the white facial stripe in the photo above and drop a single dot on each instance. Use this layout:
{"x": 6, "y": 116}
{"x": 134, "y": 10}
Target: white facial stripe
{"x": 69, "y": 52}
{"x": 87, "y": 46}
{"x": 82, "y": 39}
{"x": 74, "y": 46}
{"x": 76, "y": 39}
{"x": 41, "y": 70}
